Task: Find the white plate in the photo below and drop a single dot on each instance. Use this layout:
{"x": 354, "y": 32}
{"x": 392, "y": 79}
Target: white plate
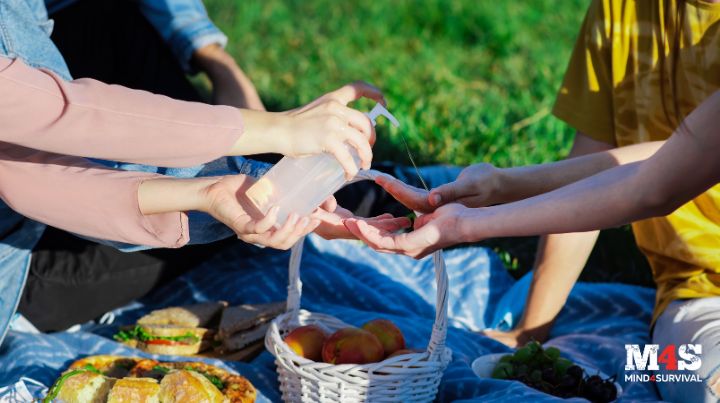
{"x": 483, "y": 367}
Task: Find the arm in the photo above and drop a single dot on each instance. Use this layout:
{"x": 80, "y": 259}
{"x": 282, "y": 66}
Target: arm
{"x": 87, "y": 118}
{"x": 197, "y": 42}
{"x": 560, "y": 258}
{"x": 685, "y": 166}
{"x": 132, "y": 207}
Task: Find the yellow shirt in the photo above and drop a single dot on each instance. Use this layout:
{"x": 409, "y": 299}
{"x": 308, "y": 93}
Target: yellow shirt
{"x": 612, "y": 93}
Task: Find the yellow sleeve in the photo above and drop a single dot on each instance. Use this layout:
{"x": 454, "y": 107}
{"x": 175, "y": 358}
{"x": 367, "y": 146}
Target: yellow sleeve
{"x": 585, "y": 99}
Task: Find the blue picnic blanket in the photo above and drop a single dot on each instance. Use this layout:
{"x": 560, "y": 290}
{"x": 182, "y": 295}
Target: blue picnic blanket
{"x": 354, "y": 283}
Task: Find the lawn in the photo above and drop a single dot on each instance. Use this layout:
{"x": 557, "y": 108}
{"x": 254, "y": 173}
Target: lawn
{"x": 469, "y": 80}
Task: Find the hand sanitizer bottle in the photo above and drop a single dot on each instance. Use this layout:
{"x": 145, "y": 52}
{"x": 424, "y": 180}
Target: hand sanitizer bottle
{"x": 300, "y": 185}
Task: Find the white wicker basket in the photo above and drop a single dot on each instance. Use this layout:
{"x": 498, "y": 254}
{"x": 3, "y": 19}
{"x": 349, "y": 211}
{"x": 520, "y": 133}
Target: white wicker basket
{"x": 406, "y": 378}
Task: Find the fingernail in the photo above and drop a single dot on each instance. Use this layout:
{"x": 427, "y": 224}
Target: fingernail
{"x": 436, "y": 199}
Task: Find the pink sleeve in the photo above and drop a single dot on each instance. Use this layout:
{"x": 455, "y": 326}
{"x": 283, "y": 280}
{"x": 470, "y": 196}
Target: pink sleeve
{"x": 78, "y": 196}
{"x": 87, "y": 118}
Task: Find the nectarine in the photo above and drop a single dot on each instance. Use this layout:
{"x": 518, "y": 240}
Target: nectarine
{"x": 388, "y": 333}
{"x": 352, "y": 346}
{"x": 307, "y": 341}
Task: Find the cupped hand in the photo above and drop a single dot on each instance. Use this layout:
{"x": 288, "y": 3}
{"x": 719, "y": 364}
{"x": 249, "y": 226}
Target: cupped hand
{"x": 415, "y": 199}
{"x": 328, "y": 125}
{"x": 227, "y": 204}
{"x": 474, "y": 187}
{"x": 432, "y": 232}
{"x": 332, "y": 223}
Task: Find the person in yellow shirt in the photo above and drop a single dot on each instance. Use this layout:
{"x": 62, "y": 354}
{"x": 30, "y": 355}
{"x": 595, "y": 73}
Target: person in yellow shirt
{"x": 637, "y": 70}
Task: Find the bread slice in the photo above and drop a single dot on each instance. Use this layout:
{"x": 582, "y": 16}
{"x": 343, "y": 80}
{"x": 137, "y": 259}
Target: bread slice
{"x": 84, "y": 387}
{"x": 243, "y": 339}
{"x": 189, "y": 386}
{"x": 135, "y": 390}
{"x": 197, "y": 315}
{"x": 235, "y": 387}
{"x": 243, "y": 317}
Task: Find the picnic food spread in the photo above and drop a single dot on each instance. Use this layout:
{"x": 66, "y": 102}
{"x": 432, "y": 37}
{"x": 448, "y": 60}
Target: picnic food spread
{"x": 115, "y": 379}
{"x": 376, "y": 340}
{"x": 546, "y": 371}
{"x": 189, "y": 330}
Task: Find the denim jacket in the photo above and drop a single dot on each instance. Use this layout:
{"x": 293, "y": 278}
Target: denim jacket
{"x": 25, "y": 33}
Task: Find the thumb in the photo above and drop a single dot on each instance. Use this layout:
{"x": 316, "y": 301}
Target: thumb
{"x": 447, "y": 193}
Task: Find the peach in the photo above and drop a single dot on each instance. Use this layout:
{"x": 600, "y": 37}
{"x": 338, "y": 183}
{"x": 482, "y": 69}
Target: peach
{"x": 307, "y": 341}
{"x": 388, "y": 333}
{"x": 405, "y": 351}
{"x": 352, "y": 346}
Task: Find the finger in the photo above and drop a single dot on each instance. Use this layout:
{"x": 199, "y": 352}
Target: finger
{"x": 268, "y": 222}
{"x": 303, "y": 227}
{"x": 361, "y": 122}
{"x": 330, "y": 204}
{"x": 448, "y": 193}
{"x": 360, "y": 143}
{"x": 422, "y": 220}
{"x": 279, "y": 237}
{"x": 353, "y": 226}
{"x": 357, "y": 90}
{"x": 413, "y": 198}
{"x": 392, "y": 224}
{"x": 340, "y": 152}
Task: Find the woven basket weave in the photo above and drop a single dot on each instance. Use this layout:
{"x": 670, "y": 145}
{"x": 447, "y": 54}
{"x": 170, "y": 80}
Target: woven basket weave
{"x": 405, "y": 378}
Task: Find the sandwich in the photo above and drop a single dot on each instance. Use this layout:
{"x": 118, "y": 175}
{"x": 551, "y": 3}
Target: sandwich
{"x": 135, "y": 390}
{"x": 243, "y": 325}
{"x": 168, "y": 340}
{"x": 175, "y": 330}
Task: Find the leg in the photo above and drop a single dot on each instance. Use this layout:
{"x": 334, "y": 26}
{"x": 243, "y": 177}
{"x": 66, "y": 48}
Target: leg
{"x": 692, "y": 322}
{"x": 73, "y": 280}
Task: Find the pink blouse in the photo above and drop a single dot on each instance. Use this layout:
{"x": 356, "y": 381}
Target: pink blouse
{"x": 47, "y": 125}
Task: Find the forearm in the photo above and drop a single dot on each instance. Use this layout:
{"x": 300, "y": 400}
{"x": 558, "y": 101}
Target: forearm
{"x": 522, "y": 182}
{"x": 87, "y": 118}
{"x": 165, "y": 195}
{"x": 75, "y": 195}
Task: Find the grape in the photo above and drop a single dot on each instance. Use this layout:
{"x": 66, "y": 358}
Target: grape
{"x": 536, "y": 375}
{"x": 552, "y": 353}
{"x": 503, "y": 370}
{"x": 523, "y": 355}
{"x": 506, "y": 358}
{"x": 575, "y": 372}
{"x": 548, "y": 375}
{"x": 562, "y": 365}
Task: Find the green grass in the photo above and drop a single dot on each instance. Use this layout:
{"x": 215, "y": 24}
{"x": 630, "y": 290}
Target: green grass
{"x": 469, "y": 80}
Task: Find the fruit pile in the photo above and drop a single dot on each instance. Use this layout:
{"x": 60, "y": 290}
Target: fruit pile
{"x": 546, "y": 371}
{"x": 375, "y": 341}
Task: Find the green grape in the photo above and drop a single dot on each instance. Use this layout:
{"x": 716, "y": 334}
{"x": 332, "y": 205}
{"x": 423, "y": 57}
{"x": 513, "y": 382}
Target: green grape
{"x": 561, "y": 366}
{"x": 503, "y": 370}
{"x": 534, "y": 347}
{"x": 506, "y": 358}
{"x": 536, "y": 375}
{"x": 523, "y": 355}
{"x": 552, "y": 353}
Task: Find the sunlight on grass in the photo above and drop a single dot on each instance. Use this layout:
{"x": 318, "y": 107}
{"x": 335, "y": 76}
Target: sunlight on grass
{"x": 469, "y": 80}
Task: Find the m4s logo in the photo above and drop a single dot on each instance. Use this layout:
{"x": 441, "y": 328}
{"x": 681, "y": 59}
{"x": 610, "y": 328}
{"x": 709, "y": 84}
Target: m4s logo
{"x": 686, "y": 359}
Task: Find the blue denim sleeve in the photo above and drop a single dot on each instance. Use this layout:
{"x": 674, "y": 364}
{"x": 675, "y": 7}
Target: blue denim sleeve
{"x": 184, "y": 25}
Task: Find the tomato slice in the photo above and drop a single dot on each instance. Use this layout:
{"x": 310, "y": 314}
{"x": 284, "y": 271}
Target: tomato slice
{"x": 162, "y": 342}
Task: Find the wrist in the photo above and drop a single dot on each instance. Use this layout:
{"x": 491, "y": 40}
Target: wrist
{"x": 263, "y": 132}
{"x": 470, "y": 226}
{"x": 166, "y": 195}
{"x": 214, "y": 61}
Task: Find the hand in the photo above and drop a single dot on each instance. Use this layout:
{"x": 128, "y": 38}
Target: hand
{"x": 415, "y": 199}
{"x": 476, "y": 186}
{"x": 225, "y": 203}
{"x": 433, "y": 231}
{"x": 332, "y": 223}
{"x": 326, "y": 125}
{"x": 230, "y": 85}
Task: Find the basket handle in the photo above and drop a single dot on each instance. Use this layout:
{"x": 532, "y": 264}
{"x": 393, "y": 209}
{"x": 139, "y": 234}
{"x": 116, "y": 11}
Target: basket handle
{"x": 436, "y": 346}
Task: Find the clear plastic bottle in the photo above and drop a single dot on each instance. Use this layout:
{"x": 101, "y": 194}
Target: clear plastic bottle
{"x": 300, "y": 185}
